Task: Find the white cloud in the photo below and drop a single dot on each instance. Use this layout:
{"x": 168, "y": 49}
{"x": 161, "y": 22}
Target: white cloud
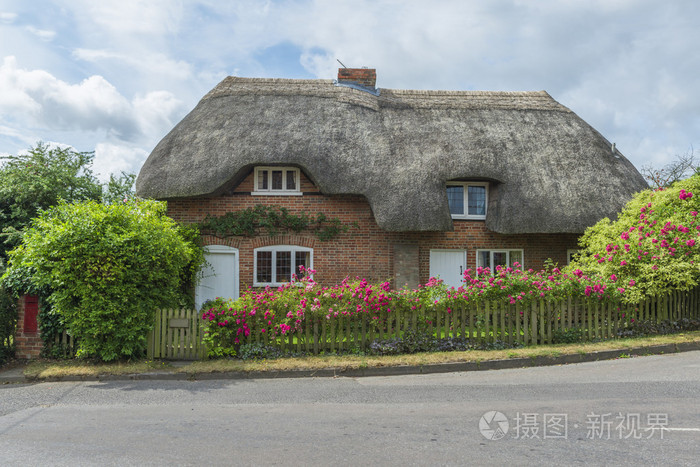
{"x": 7, "y": 17}
{"x": 155, "y": 112}
{"x": 129, "y": 17}
{"x": 145, "y": 62}
{"x": 93, "y": 104}
{"x": 116, "y": 158}
{"x": 118, "y": 127}
{"x": 43, "y": 34}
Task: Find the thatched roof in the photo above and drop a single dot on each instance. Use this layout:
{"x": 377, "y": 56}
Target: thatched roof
{"x": 551, "y": 171}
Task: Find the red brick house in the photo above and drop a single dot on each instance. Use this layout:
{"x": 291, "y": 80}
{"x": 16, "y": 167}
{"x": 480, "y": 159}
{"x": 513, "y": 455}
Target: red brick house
{"x": 435, "y": 181}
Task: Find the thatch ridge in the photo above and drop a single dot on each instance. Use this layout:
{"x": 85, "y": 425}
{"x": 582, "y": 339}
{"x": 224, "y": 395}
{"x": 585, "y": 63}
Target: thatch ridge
{"x": 551, "y": 171}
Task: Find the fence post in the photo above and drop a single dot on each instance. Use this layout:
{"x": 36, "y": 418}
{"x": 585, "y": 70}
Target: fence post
{"x": 550, "y": 315}
{"x": 543, "y": 333}
{"x": 526, "y": 330}
{"x": 533, "y": 324}
{"x": 487, "y": 319}
{"x": 151, "y": 337}
{"x": 518, "y": 338}
{"x": 511, "y": 310}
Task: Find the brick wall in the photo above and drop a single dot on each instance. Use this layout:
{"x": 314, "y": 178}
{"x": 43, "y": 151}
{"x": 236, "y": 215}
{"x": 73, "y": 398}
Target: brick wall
{"x": 28, "y": 342}
{"x": 366, "y": 251}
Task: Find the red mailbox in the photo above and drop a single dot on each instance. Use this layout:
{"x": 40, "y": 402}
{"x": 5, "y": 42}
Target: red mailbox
{"x": 31, "y": 312}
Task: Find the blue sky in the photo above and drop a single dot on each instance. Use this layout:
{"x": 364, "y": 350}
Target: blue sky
{"x": 115, "y": 76}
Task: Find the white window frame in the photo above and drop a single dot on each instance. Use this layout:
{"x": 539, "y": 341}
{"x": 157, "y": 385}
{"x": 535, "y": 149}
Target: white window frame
{"x": 466, "y": 186}
{"x": 259, "y": 191}
{"x": 570, "y": 253}
{"x": 274, "y": 249}
{"x": 500, "y": 250}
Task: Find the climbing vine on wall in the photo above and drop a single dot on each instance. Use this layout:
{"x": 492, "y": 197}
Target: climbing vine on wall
{"x": 271, "y": 220}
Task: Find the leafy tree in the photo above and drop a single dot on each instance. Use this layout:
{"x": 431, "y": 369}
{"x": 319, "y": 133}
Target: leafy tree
{"x": 8, "y": 321}
{"x": 108, "y": 267}
{"x": 119, "y": 189}
{"x": 653, "y": 247}
{"x": 37, "y": 180}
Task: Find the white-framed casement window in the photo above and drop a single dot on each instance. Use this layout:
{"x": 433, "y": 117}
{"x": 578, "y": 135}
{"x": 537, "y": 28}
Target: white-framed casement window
{"x": 570, "y": 255}
{"x": 467, "y": 200}
{"x": 492, "y": 258}
{"x": 276, "y": 181}
{"x": 274, "y": 265}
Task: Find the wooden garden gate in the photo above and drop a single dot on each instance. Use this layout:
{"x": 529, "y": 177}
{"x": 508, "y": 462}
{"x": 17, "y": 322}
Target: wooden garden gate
{"x": 177, "y": 335}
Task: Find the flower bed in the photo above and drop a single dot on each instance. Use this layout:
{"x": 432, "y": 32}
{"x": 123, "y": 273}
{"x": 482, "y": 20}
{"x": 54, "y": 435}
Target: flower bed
{"x": 301, "y": 310}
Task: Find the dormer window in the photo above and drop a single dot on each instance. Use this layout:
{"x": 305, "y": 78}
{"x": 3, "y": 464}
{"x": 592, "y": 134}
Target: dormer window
{"x": 277, "y": 181}
{"x": 467, "y": 200}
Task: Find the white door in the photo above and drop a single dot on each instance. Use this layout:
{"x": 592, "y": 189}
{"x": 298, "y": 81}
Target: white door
{"x": 448, "y": 265}
{"x": 219, "y": 276}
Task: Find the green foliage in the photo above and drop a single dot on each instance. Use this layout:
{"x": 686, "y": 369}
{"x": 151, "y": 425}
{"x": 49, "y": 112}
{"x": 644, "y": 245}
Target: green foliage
{"x": 37, "y": 180}
{"x": 418, "y": 339}
{"x": 568, "y": 336}
{"x": 107, "y": 268}
{"x": 8, "y": 323}
{"x": 258, "y": 352}
{"x": 653, "y": 328}
{"x": 270, "y": 220}
{"x": 653, "y": 247}
{"x": 119, "y": 189}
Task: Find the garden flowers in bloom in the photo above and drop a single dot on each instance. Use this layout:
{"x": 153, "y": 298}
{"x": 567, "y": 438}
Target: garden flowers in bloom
{"x": 279, "y": 312}
{"x": 653, "y": 245}
{"x": 651, "y": 249}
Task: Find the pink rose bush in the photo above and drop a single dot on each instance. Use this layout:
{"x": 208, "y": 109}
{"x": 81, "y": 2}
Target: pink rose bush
{"x": 280, "y": 312}
{"x": 653, "y": 244}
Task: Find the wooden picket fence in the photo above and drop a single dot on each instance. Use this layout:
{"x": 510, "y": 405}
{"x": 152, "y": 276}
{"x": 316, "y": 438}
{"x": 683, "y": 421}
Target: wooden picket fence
{"x": 178, "y": 333}
{"x": 65, "y": 345}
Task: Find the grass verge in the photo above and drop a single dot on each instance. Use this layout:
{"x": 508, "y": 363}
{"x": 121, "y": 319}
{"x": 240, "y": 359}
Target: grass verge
{"x": 47, "y": 369}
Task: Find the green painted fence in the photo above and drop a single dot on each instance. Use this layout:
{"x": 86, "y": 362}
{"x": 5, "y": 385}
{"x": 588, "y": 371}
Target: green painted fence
{"x": 178, "y": 333}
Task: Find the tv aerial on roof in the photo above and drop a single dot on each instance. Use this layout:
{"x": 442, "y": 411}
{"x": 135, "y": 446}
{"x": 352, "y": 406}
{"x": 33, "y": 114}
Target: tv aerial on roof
{"x": 341, "y": 63}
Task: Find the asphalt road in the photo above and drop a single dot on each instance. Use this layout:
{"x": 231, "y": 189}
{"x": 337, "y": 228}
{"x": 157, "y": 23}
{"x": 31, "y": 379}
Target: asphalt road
{"x": 643, "y": 410}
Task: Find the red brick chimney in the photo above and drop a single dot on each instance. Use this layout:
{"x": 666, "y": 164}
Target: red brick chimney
{"x": 366, "y": 77}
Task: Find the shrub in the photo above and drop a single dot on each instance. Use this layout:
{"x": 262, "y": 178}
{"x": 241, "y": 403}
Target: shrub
{"x": 568, "y": 336}
{"x": 8, "y": 324}
{"x": 653, "y": 247}
{"x": 643, "y": 328}
{"x": 106, "y": 269}
{"x": 258, "y": 351}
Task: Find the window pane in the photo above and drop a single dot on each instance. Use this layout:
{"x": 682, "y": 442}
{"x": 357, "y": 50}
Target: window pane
{"x": 291, "y": 180}
{"x": 476, "y": 196}
{"x": 276, "y": 179}
{"x": 264, "y": 266}
{"x": 262, "y": 180}
{"x": 284, "y": 266}
{"x": 455, "y": 199}
{"x": 302, "y": 258}
{"x": 516, "y": 257}
{"x": 500, "y": 258}
{"x": 483, "y": 259}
